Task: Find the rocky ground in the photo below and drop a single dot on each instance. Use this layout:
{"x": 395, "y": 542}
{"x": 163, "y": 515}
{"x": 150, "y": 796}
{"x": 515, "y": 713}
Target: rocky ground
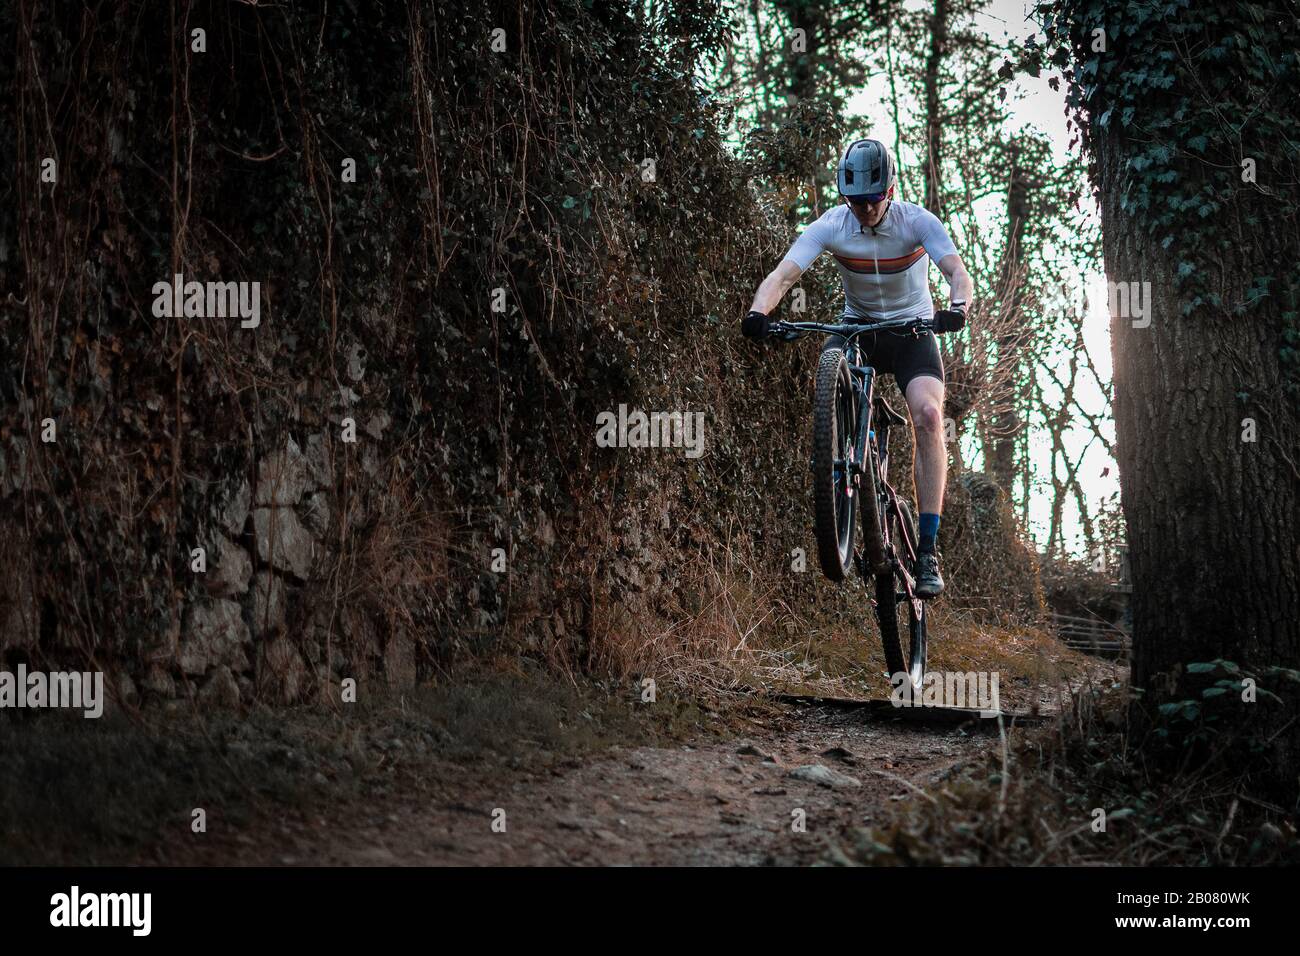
{"x": 790, "y": 794}
{"x": 503, "y": 769}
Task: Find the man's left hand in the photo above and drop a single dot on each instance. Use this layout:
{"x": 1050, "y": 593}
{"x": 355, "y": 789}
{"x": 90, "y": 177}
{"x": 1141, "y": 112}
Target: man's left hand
{"x": 951, "y": 319}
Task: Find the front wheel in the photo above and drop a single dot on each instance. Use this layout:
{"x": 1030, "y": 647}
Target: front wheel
{"x": 893, "y": 606}
{"x": 834, "y": 497}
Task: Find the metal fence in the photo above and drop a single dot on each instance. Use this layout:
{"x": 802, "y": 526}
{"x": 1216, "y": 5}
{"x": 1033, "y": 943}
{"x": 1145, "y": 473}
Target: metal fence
{"x": 1092, "y": 635}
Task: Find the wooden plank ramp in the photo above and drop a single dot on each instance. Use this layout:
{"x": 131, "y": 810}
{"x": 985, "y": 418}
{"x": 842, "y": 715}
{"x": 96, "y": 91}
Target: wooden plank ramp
{"x": 949, "y": 716}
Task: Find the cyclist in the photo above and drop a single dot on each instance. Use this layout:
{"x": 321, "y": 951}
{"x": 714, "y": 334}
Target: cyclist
{"x": 880, "y": 245}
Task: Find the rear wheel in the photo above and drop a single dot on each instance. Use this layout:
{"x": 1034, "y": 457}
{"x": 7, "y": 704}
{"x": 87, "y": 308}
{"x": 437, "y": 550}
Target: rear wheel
{"x": 898, "y": 614}
{"x": 834, "y": 498}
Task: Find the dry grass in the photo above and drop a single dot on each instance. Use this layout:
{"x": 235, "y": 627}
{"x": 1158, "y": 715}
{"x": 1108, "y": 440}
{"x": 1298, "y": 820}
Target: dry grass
{"x": 1039, "y": 802}
{"x": 391, "y": 558}
{"x": 753, "y": 632}
{"x": 698, "y": 650}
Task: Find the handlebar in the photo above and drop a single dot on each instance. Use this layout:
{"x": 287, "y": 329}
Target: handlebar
{"x": 917, "y": 326}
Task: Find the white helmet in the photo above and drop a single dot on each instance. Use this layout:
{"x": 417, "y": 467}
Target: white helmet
{"x": 865, "y": 169}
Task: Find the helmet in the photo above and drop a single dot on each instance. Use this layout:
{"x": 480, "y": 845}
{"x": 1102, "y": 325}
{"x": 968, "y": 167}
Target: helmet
{"x": 865, "y": 168}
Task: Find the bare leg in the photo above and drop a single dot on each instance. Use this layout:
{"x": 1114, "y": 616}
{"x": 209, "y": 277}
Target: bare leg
{"x": 930, "y": 461}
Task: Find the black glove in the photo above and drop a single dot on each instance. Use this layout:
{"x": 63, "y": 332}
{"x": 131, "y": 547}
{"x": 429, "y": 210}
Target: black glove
{"x": 951, "y": 319}
{"x": 755, "y": 325}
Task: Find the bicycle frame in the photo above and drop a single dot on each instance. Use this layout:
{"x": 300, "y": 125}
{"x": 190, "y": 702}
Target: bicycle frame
{"x": 879, "y": 438}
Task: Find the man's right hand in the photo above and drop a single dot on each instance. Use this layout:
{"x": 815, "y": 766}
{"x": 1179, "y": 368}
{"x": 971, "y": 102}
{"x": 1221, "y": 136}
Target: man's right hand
{"x": 755, "y": 325}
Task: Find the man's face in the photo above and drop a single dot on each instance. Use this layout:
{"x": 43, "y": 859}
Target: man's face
{"x": 870, "y": 213}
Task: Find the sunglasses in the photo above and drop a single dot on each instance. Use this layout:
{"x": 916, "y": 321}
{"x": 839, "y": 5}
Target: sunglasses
{"x": 868, "y": 199}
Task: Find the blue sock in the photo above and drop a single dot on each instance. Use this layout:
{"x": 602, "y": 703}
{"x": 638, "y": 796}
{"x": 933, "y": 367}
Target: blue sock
{"x": 929, "y": 531}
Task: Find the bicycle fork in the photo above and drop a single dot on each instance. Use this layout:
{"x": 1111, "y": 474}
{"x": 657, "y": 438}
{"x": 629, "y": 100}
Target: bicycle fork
{"x": 858, "y": 455}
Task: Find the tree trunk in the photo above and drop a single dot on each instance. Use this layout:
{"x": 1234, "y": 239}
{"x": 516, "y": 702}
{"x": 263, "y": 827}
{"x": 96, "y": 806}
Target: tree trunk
{"x": 800, "y": 79}
{"x": 1213, "y": 521}
{"x": 933, "y": 120}
{"x": 1005, "y": 426}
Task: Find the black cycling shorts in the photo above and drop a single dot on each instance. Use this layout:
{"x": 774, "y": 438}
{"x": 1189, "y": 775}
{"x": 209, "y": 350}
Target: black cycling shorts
{"x": 903, "y": 356}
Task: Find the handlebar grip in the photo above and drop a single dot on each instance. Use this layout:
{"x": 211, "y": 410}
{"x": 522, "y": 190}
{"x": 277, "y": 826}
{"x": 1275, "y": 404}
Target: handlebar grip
{"x": 755, "y": 325}
{"x": 949, "y": 320}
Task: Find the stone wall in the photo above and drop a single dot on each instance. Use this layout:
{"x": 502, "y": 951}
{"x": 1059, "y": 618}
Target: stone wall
{"x": 396, "y": 467}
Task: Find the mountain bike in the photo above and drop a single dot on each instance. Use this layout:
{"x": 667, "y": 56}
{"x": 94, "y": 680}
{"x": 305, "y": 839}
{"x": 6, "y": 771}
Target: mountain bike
{"x": 850, "y": 467}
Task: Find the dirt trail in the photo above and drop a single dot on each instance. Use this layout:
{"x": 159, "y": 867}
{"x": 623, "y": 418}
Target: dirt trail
{"x": 718, "y": 802}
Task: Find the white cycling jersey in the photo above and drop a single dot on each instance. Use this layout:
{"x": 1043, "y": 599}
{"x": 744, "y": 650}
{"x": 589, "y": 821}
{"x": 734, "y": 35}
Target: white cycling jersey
{"x": 883, "y": 268}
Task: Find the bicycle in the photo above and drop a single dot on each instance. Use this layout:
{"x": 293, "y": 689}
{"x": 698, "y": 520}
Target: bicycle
{"x": 851, "y": 428}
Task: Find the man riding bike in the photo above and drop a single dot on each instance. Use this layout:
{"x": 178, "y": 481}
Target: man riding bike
{"x": 881, "y": 245}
